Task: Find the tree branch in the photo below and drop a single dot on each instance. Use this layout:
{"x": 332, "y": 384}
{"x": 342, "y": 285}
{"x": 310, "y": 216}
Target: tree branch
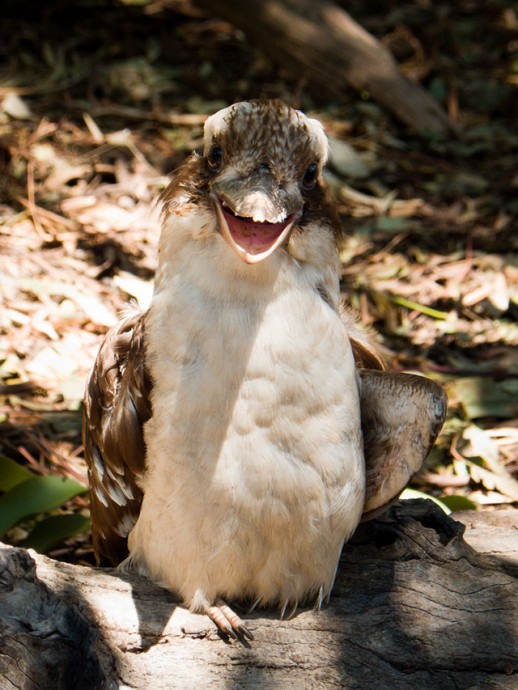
{"x": 322, "y": 42}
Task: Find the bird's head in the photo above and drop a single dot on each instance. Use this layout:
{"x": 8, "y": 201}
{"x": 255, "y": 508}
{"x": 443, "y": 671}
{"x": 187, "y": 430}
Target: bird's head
{"x": 263, "y": 157}
{"x": 261, "y": 173}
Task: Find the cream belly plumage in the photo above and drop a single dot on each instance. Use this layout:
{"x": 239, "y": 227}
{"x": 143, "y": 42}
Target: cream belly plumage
{"x": 257, "y": 466}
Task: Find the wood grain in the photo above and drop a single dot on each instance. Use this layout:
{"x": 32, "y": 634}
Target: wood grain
{"x": 414, "y": 606}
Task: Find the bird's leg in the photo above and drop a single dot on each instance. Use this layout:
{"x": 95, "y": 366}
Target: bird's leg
{"x": 227, "y": 621}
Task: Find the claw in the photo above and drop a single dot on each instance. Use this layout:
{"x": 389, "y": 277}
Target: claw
{"x": 227, "y": 621}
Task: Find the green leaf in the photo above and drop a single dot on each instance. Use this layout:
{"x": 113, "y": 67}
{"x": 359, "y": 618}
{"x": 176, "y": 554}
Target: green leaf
{"x": 412, "y": 493}
{"x": 12, "y": 474}
{"x": 53, "y": 530}
{"x": 415, "y": 306}
{"x": 458, "y": 502}
{"x": 391, "y": 224}
{"x": 486, "y": 397}
{"x": 38, "y": 495}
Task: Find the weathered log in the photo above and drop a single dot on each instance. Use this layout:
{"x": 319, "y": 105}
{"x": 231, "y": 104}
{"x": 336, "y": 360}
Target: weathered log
{"x": 414, "y": 606}
{"x": 322, "y": 42}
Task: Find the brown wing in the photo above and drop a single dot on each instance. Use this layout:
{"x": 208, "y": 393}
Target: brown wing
{"x": 116, "y": 406}
{"x": 364, "y": 351}
{"x": 365, "y": 355}
{"x": 402, "y": 415}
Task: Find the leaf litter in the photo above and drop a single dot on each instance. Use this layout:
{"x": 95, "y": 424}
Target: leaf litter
{"x": 94, "y": 114}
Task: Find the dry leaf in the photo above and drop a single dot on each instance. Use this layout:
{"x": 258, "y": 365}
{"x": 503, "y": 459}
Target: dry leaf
{"x": 505, "y": 485}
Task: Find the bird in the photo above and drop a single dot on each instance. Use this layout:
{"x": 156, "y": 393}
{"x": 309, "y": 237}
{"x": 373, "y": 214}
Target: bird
{"x": 237, "y": 430}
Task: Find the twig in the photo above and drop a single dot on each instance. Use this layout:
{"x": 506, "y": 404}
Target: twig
{"x": 56, "y": 458}
{"x": 31, "y": 204}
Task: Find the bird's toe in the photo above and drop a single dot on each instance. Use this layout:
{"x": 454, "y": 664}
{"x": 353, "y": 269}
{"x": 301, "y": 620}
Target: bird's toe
{"x": 227, "y": 621}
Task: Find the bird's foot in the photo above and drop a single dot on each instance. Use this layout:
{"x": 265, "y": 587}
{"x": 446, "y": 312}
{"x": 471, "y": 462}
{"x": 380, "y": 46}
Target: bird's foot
{"x": 227, "y": 621}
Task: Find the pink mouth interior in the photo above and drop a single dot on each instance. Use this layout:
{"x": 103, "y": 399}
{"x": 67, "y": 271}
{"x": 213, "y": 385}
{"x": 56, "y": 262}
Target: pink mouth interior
{"x": 253, "y": 237}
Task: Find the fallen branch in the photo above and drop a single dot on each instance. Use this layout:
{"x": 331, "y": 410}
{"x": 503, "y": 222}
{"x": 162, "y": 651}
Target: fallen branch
{"x": 322, "y": 42}
{"x": 414, "y": 606}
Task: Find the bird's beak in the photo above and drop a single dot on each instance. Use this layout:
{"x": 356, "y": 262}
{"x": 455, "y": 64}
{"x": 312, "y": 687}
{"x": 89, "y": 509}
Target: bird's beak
{"x": 253, "y": 218}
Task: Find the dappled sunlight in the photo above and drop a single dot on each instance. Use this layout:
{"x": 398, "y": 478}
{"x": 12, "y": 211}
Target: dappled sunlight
{"x": 94, "y": 118}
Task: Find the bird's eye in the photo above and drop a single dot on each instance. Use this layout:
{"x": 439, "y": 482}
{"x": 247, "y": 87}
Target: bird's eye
{"x": 310, "y": 176}
{"x": 215, "y": 157}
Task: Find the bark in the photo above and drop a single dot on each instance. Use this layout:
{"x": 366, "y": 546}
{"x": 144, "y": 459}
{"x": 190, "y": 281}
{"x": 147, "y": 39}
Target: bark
{"x": 322, "y": 42}
{"x": 414, "y": 606}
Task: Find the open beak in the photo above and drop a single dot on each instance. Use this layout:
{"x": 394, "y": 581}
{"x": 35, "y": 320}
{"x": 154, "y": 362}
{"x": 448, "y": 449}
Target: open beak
{"x": 252, "y": 240}
{"x": 254, "y": 222}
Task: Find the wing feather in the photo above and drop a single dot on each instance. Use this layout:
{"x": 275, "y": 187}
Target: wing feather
{"x": 402, "y": 414}
{"x": 116, "y": 406}
{"x": 364, "y": 351}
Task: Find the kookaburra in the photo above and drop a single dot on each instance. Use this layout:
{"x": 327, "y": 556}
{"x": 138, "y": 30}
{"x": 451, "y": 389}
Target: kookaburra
{"x": 223, "y": 426}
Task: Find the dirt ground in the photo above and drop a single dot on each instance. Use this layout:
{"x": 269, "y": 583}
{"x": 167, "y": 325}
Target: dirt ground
{"x": 100, "y": 100}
